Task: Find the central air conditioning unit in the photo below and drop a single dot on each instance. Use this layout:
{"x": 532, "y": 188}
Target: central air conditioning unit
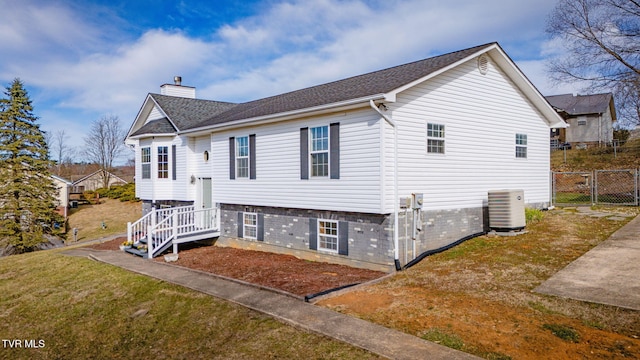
{"x": 506, "y": 210}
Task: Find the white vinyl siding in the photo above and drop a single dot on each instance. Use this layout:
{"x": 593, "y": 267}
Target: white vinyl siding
{"x": 155, "y": 114}
{"x": 278, "y": 166}
{"x": 481, "y": 114}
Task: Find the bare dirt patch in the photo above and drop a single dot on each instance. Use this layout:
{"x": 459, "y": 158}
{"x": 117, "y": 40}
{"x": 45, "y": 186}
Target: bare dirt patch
{"x": 283, "y": 272}
{"x": 478, "y": 298}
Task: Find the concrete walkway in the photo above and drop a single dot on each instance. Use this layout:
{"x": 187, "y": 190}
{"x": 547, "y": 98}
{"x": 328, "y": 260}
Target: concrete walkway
{"x": 377, "y": 339}
{"x": 607, "y": 274}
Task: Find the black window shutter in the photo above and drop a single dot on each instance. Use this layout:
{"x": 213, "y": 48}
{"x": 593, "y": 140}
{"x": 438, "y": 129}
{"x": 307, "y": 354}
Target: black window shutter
{"x": 313, "y": 234}
{"x": 252, "y": 156}
{"x": 174, "y": 174}
{"x": 304, "y": 153}
{"x": 260, "y": 234}
{"x": 334, "y": 150}
{"x": 343, "y": 238}
{"x": 232, "y": 158}
{"x": 240, "y": 224}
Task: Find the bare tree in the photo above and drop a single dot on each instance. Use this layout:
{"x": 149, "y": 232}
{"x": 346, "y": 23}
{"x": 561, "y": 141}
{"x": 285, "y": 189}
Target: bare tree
{"x": 104, "y": 144}
{"x": 601, "y": 39}
{"x": 60, "y": 151}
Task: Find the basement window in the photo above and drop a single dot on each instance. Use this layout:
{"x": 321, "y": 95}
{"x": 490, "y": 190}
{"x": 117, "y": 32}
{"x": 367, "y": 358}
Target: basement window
{"x": 250, "y": 225}
{"x": 328, "y": 235}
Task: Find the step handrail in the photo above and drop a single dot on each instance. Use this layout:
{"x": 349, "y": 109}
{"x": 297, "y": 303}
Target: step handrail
{"x": 160, "y": 227}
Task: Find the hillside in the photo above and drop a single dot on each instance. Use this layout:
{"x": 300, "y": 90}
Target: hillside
{"x": 626, "y": 156}
{"x": 88, "y": 219}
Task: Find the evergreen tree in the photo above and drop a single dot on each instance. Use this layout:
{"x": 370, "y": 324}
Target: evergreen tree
{"x": 27, "y": 191}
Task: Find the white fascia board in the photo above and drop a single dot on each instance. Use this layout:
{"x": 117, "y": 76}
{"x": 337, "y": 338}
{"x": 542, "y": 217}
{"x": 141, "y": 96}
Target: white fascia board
{"x": 139, "y": 115}
{"x": 554, "y": 120}
{"x": 496, "y": 53}
{"x": 393, "y": 94}
{"x": 145, "y": 110}
{"x": 143, "y": 136}
{"x": 316, "y": 110}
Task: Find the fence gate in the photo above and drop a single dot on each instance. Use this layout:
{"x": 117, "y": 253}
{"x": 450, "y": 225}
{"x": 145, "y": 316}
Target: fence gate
{"x": 607, "y": 187}
{"x": 617, "y": 187}
{"x": 572, "y": 188}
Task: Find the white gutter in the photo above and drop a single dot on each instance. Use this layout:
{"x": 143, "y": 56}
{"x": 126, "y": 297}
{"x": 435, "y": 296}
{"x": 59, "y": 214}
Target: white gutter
{"x": 396, "y": 251}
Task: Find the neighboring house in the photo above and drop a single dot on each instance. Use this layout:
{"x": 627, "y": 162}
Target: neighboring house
{"x": 328, "y": 172}
{"x": 62, "y": 199}
{"x": 590, "y": 118}
{"x": 94, "y": 181}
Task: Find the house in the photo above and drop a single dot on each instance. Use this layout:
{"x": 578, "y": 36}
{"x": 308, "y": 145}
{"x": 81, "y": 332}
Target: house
{"x": 62, "y": 199}
{"x": 94, "y": 181}
{"x": 370, "y": 171}
{"x": 590, "y": 118}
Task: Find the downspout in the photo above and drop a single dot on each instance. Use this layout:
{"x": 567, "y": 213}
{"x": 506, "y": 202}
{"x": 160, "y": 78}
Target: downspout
{"x": 396, "y": 251}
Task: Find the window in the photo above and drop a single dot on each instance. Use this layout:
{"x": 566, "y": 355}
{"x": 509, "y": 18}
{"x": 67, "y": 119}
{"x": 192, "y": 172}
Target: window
{"x": 163, "y": 162}
{"x": 582, "y": 120}
{"x": 319, "y": 151}
{"x": 242, "y": 157}
{"x": 145, "y": 160}
{"x": 521, "y": 146}
{"x": 328, "y": 235}
{"x": 435, "y": 138}
{"x": 250, "y": 225}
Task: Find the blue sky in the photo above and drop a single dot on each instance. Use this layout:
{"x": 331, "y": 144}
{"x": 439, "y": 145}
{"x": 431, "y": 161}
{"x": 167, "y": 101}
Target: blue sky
{"x": 81, "y": 60}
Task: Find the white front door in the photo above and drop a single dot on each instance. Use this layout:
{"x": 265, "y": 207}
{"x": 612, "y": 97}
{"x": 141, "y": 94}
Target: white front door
{"x": 205, "y": 218}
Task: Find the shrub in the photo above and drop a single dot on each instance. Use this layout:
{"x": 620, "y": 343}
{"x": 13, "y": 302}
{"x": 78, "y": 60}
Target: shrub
{"x": 125, "y": 192}
{"x": 533, "y": 216}
{"x": 564, "y": 332}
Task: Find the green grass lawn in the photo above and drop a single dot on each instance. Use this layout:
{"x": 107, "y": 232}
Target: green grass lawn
{"x": 82, "y": 309}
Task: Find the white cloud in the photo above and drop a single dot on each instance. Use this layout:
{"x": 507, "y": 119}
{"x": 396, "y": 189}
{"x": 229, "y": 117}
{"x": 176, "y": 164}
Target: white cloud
{"x": 87, "y": 64}
{"x": 349, "y": 38}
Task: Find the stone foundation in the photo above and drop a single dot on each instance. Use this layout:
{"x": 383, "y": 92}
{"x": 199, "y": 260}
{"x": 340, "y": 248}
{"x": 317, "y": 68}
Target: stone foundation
{"x": 370, "y": 236}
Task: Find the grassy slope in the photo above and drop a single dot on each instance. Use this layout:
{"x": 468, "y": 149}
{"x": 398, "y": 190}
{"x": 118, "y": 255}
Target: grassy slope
{"x": 626, "y": 157}
{"x": 84, "y": 309}
{"x": 115, "y": 214}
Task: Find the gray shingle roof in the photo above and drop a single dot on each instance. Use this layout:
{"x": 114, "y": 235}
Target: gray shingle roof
{"x": 581, "y": 104}
{"x": 160, "y": 126}
{"x": 378, "y": 82}
{"x": 185, "y": 113}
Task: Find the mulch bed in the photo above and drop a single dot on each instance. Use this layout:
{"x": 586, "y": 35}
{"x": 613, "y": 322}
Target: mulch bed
{"x": 283, "y": 272}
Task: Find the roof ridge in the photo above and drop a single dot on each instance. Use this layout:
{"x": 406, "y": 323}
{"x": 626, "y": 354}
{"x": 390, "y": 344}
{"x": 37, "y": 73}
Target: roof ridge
{"x": 355, "y": 87}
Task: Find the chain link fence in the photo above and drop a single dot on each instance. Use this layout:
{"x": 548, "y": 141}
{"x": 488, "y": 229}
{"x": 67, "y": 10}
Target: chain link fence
{"x": 604, "y": 187}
